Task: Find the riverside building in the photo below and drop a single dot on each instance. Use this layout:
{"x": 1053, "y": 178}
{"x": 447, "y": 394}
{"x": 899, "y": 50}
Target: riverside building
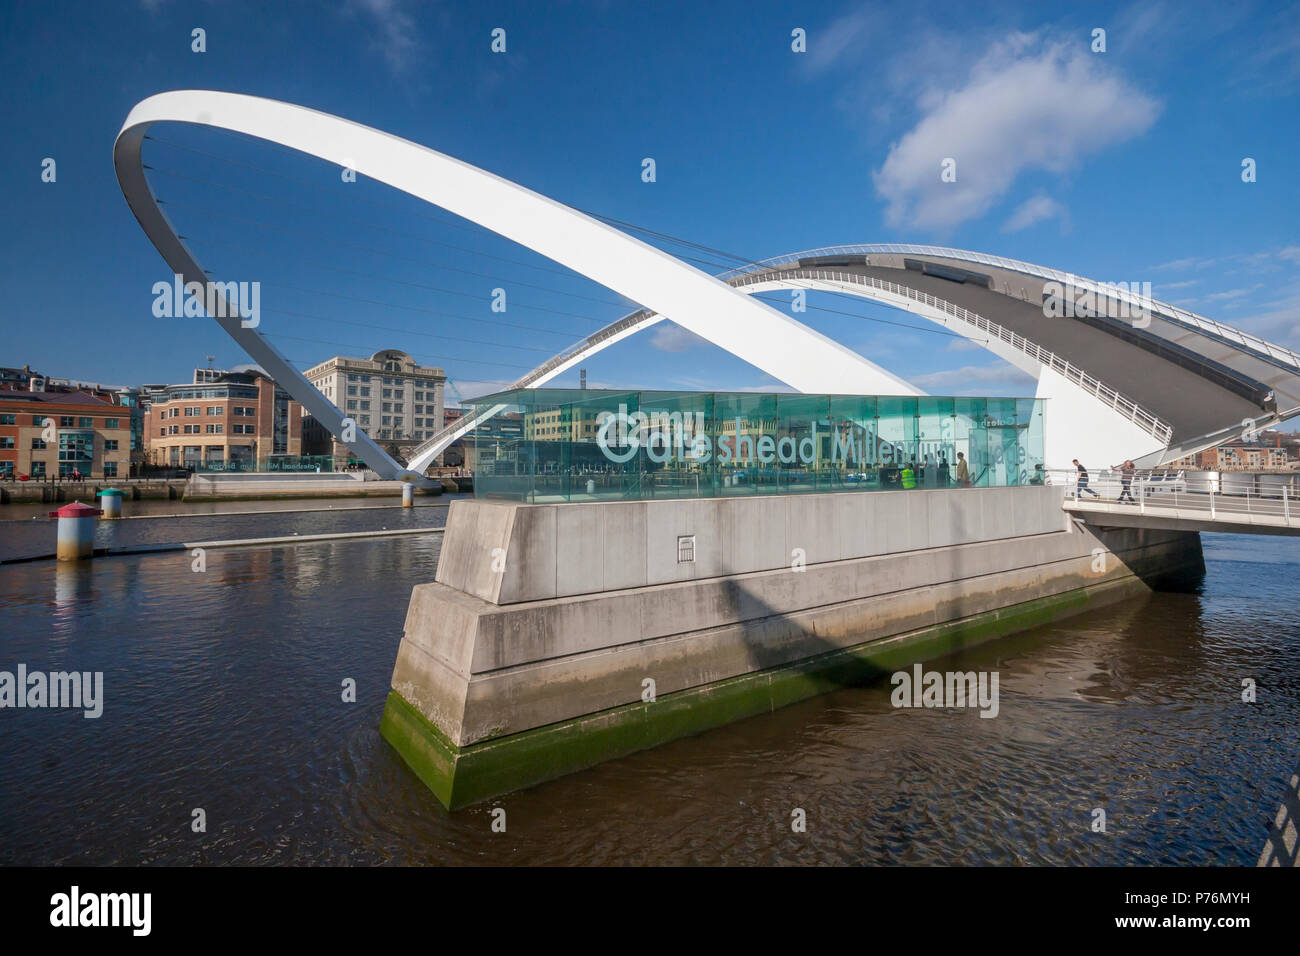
{"x": 392, "y": 398}
{"x": 223, "y": 421}
{"x": 61, "y": 434}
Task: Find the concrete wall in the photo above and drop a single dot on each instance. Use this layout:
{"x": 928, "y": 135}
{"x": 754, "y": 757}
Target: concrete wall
{"x": 880, "y": 565}
{"x": 506, "y": 553}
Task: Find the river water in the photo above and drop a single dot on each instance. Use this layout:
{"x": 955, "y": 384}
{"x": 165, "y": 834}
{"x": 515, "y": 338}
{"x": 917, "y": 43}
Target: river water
{"x": 223, "y": 692}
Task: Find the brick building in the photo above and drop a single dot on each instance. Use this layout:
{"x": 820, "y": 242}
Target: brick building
{"x": 222, "y": 421}
{"x": 1238, "y": 455}
{"x": 49, "y": 434}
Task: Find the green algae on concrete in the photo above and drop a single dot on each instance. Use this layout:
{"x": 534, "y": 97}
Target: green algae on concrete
{"x": 460, "y": 776}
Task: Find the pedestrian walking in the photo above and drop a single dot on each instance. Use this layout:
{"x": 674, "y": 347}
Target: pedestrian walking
{"x": 1126, "y": 472}
{"x": 1082, "y": 485}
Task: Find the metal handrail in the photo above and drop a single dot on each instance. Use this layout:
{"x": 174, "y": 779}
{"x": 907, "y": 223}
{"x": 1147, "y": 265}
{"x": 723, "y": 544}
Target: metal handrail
{"x": 1104, "y": 393}
{"x": 1225, "y": 494}
{"x": 1172, "y": 312}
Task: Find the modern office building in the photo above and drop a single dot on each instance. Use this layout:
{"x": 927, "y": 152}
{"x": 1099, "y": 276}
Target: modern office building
{"x": 394, "y": 400}
{"x": 223, "y": 421}
{"x": 49, "y": 434}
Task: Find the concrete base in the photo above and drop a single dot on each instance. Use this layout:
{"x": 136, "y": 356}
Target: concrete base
{"x": 253, "y": 486}
{"x": 502, "y": 682}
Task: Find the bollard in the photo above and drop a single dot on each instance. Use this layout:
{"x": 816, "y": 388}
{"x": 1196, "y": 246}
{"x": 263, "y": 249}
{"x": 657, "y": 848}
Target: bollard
{"x": 408, "y": 495}
{"x": 76, "y": 531}
{"x": 591, "y": 486}
{"x": 110, "y": 499}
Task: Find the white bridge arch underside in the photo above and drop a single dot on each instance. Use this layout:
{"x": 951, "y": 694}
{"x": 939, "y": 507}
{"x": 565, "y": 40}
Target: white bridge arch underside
{"x": 749, "y": 329}
{"x": 1085, "y": 418}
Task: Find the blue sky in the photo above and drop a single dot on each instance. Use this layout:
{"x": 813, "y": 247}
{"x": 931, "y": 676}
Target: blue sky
{"x": 1122, "y": 166}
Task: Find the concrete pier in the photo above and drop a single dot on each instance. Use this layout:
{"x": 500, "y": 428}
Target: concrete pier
{"x": 558, "y": 636}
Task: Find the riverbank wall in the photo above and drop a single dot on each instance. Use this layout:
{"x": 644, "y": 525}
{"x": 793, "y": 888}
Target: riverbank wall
{"x": 556, "y": 636}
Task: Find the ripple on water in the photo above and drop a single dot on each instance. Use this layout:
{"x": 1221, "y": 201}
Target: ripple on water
{"x": 223, "y": 691}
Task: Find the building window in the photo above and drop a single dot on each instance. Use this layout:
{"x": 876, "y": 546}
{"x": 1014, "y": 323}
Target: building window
{"x": 8, "y": 419}
{"x": 388, "y": 406}
{"x": 110, "y": 444}
{"x": 364, "y": 421}
{"x": 419, "y": 396}
{"x": 65, "y": 421}
{"x": 112, "y": 423}
{"x": 6, "y": 441}
{"x": 365, "y": 390}
{"x": 388, "y": 393}
{"x": 214, "y": 429}
{"x": 352, "y": 389}
{"x": 76, "y": 450}
{"x": 38, "y": 443}
{"x": 85, "y": 423}
{"x": 6, "y": 469}
{"x": 38, "y": 419}
{"x": 38, "y": 469}
{"x": 215, "y": 410}
{"x": 110, "y": 469}
{"x": 365, "y": 406}
{"x": 352, "y": 377}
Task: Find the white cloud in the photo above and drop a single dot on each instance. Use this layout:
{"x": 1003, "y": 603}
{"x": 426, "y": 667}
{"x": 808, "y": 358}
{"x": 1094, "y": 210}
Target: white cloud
{"x": 1236, "y": 262}
{"x": 1230, "y": 294}
{"x": 1033, "y": 211}
{"x": 828, "y": 45}
{"x": 669, "y": 337}
{"x": 396, "y": 38}
{"x": 972, "y": 379}
{"x": 1027, "y": 105}
{"x": 475, "y": 388}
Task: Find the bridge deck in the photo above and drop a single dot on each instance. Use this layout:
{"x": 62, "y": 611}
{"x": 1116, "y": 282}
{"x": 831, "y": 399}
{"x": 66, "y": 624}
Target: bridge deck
{"x": 1192, "y": 404}
{"x": 1189, "y": 511}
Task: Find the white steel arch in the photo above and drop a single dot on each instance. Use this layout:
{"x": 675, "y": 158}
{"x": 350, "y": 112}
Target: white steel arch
{"x": 751, "y": 330}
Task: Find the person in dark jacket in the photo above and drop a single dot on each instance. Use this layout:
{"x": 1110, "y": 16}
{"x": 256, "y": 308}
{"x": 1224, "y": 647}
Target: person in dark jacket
{"x": 1082, "y": 486}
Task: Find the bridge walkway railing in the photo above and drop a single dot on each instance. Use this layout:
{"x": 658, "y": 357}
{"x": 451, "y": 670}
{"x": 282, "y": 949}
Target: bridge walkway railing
{"x": 1240, "y": 500}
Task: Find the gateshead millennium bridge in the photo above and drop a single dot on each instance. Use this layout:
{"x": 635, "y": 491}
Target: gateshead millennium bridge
{"x": 529, "y": 654}
{"x": 1152, "y": 389}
